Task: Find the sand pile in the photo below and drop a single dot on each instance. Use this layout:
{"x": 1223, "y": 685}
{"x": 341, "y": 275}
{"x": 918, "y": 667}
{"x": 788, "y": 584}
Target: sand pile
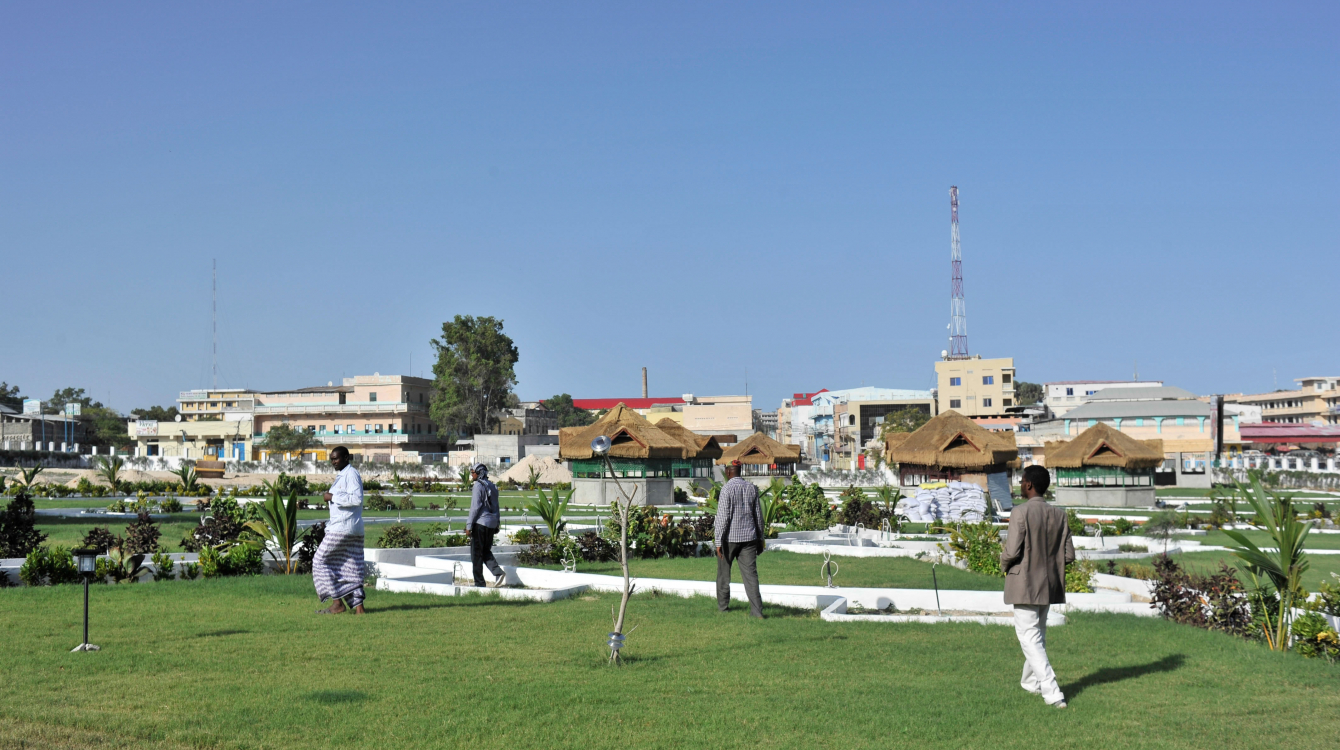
{"x": 551, "y": 471}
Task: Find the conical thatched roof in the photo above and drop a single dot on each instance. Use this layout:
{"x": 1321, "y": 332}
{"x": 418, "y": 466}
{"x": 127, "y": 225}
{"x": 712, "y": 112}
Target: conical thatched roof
{"x": 760, "y": 449}
{"x": 1102, "y": 445}
{"x": 697, "y": 446}
{"x": 953, "y": 440}
{"x": 893, "y": 440}
{"x": 632, "y": 435}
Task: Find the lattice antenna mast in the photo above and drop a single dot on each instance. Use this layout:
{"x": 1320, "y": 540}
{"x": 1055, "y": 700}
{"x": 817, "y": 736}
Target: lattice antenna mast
{"x": 214, "y": 322}
{"x": 958, "y": 310}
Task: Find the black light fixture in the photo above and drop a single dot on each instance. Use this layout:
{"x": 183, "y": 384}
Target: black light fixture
{"x": 87, "y": 560}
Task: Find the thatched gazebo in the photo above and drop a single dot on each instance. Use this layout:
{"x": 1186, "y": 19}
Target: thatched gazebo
{"x": 1105, "y": 467}
{"x": 762, "y": 458}
{"x": 700, "y": 451}
{"x": 951, "y": 447}
{"x": 642, "y": 455}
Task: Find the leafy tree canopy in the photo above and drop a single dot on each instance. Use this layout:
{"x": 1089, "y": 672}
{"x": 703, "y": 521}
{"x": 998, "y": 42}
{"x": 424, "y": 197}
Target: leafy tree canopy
{"x": 56, "y": 404}
{"x": 1027, "y": 393}
{"x": 283, "y": 438}
{"x": 9, "y": 396}
{"x": 155, "y": 413}
{"x": 105, "y": 426}
{"x": 568, "y": 415}
{"x": 904, "y": 420}
{"x": 475, "y": 372}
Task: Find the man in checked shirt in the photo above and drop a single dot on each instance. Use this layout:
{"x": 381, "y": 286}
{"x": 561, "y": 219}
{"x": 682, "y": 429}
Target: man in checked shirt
{"x": 739, "y": 536}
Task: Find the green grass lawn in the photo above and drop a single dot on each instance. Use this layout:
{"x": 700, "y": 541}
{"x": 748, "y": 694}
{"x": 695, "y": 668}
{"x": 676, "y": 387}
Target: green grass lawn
{"x": 795, "y": 569}
{"x": 1261, "y": 538}
{"x": 1319, "y": 569}
{"x": 243, "y": 663}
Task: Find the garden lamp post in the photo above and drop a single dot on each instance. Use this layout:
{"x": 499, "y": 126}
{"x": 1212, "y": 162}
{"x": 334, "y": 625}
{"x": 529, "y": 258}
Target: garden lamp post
{"x": 87, "y": 560}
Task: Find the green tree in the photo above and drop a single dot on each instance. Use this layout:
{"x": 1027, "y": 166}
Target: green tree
{"x": 1027, "y": 393}
{"x": 568, "y": 415}
{"x": 155, "y": 413}
{"x": 475, "y": 372}
{"x": 904, "y": 420}
{"x": 56, "y": 404}
{"x": 282, "y": 438}
{"x": 103, "y": 425}
{"x": 9, "y": 396}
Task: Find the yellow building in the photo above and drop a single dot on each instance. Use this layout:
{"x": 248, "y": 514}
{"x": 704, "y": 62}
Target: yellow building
{"x": 1315, "y": 401}
{"x": 975, "y": 387}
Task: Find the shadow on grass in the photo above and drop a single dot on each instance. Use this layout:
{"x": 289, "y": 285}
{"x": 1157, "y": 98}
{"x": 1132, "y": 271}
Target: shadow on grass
{"x": 335, "y": 697}
{"x": 468, "y": 600}
{"x": 218, "y": 633}
{"x": 1117, "y": 674}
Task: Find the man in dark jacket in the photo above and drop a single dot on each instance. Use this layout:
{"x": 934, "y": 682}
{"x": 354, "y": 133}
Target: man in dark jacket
{"x": 482, "y": 523}
{"x": 1036, "y": 552}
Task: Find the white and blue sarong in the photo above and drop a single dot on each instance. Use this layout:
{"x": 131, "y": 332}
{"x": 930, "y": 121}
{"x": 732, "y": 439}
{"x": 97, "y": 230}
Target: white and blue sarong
{"x": 337, "y": 568}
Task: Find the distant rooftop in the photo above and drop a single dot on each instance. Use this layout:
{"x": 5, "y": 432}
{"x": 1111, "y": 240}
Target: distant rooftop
{"x": 1161, "y": 393}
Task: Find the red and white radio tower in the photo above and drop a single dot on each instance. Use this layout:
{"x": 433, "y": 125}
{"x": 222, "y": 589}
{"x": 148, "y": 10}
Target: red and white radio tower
{"x": 958, "y": 310}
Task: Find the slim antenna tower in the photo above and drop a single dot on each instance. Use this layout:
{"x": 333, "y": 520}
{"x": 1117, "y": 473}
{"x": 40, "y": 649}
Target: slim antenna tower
{"x": 958, "y": 310}
{"x": 214, "y": 321}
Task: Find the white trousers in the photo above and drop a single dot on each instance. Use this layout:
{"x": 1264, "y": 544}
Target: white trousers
{"x": 1030, "y": 624}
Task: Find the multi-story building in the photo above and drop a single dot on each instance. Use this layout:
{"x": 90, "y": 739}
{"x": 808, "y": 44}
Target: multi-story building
{"x": 381, "y": 417}
{"x": 841, "y": 422}
{"x": 1064, "y": 395}
{"x": 531, "y": 418}
{"x": 766, "y": 423}
{"x": 975, "y": 387}
{"x": 1175, "y": 416}
{"x": 1315, "y": 401}
{"x": 377, "y": 416}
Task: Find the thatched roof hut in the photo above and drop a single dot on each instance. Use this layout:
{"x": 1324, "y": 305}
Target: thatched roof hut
{"x": 630, "y": 433}
{"x": 1102, "y": 445}
{"x": 695, "y": 445}
{"x": 953, "y": 441}
{"x": 893, "y": 440}
{"x": 759, "y": 449}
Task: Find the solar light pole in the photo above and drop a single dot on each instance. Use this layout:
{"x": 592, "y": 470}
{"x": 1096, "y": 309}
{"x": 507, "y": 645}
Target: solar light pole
{"x": 600, "y": 446}
{"x": 87, "y": 560}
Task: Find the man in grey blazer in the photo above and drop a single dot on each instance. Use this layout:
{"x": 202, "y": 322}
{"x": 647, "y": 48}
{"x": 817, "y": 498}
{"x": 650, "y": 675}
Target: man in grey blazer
{"x": 1036, "y": 552}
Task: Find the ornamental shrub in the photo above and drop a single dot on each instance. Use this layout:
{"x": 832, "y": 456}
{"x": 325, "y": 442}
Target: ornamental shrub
{"x": 142, "y": 536}
{"x": 18, "y": 533}
{"x": 1078, "y": 576}
{"x": 977, "y": 545}
{"x": 311, "y": 540}
{"x": 163, "y": 565}
{"x": 169, "y": 504}
{"x": 99, "y": 538}
{"x": 809, "y": 508}
{"x": 239, "y": 560}
{"x": 376, "y": 501}
{"x": 49, "y": 566}
{"x": 1213, "y": 602}
{"x": 1315, "y": 639}
{"x": 399, "y": 536}
{"x": 1075, "y": 523}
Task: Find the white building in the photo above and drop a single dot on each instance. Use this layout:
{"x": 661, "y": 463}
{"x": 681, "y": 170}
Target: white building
{"x": 1064, "y": 395}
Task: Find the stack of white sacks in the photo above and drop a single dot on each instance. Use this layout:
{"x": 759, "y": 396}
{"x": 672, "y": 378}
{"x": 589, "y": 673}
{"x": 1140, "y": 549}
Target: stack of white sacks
{"x": 967, "y": 503}
{"x": 955, "y": 501}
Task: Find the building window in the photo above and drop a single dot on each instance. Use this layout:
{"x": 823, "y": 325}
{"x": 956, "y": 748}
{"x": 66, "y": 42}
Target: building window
{"x": 1007, "y": 402}
{"x": 988, "y": 380}
{"x": 372, "y": 396}
{"x": 367, "y": 428}
{"x": 956, "y": 381}
{"x": 379, "y": 429}
{"x": 1070, "y": 391}
{"x": 955, "y": 403}
{"x": 349, "y": 428}
{"x": 1006, "y": 378}
{"x": 986, "y": 403}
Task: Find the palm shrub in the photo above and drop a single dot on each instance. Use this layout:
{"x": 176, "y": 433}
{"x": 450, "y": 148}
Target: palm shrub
{"x": 533, "y": 478}
{"x": 110, "y": 469}
{"x": 277, "y": 528}
{"x": 190, "y": 481}
{"x": 1276, "y": 576}
{"x": 29, "y": 475}
{"x": 550, "y": 508}
{"x": 1162, "y": 526}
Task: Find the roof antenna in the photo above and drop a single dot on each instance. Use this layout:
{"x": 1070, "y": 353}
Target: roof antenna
{"x": 214, "y": 320}
{"x": 1137, "y": 371}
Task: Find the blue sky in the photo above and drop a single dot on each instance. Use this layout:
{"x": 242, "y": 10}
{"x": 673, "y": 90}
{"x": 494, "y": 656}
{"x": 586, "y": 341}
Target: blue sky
{"x": 703, "y": 189}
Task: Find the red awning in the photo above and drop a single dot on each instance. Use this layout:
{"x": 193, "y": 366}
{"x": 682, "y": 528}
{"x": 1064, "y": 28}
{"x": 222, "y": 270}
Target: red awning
{"x": 1270, "y": 432}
